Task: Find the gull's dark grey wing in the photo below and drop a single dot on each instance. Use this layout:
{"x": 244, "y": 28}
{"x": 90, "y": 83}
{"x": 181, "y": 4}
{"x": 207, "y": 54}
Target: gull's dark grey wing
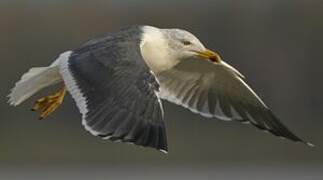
{"x": 115, "y": 90}
{"x": 219, "y": 91}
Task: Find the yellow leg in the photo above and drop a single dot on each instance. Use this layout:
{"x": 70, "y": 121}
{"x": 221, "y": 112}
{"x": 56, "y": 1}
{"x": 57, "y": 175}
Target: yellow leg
{"x": 49, "y": 104}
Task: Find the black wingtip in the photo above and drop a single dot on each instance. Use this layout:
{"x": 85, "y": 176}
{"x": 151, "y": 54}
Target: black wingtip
{"x": 132, "y": 142}
{"x": 151, "y": 136}
{"x": 266, "y": 120}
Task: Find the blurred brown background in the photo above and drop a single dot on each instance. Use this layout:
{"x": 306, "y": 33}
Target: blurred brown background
{"x": 276, "y": 44}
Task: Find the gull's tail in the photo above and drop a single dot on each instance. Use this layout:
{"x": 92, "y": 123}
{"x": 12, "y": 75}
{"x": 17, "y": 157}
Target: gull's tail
{"x": 33, "y": 81}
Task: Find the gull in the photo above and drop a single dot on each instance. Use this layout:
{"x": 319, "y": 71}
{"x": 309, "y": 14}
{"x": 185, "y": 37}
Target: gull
{"x": 119, "y": 80}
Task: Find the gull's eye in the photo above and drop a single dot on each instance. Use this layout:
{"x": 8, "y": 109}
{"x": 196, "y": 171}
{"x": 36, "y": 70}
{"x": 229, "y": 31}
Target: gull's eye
{"x": 186, "y": 43}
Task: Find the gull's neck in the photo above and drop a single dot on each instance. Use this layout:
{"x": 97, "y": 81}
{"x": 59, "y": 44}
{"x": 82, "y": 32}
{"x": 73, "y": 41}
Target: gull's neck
{"x": 155, "y": 50}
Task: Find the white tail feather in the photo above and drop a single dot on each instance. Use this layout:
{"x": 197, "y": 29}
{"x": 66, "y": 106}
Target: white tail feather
{"x": 31, "y": 82}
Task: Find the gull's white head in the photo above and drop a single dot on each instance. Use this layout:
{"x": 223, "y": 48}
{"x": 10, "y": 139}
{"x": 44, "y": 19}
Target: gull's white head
{"x": 182, "y": 44}
{"x": 164, "y": 48}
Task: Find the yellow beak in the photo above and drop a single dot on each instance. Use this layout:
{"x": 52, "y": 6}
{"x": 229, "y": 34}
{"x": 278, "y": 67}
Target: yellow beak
{"x": 209, "y": 55}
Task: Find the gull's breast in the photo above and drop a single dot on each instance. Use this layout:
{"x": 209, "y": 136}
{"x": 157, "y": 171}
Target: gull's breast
{"x": 155, "y": 50}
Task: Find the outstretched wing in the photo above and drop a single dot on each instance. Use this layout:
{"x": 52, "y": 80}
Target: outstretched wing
{"x": 116, "y": 92}
{"x": 218, "y": 91}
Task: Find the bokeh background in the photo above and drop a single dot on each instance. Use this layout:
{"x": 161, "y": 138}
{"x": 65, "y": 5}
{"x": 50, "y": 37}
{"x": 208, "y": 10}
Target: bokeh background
{"x": 276, "y": 44}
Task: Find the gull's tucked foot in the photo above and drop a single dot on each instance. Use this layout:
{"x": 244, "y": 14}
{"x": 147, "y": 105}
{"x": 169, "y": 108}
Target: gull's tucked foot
{"x": 49, "y": 104}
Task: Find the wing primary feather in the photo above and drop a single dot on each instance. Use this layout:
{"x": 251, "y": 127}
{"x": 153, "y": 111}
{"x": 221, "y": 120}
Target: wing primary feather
{"x": 225, "y": 106}
{"x": 227, "y": 96}
{"x": 212, "y": 101}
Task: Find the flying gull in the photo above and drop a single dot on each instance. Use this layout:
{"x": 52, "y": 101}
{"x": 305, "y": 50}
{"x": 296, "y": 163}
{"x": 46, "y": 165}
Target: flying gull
{"x": 118, "y": 82}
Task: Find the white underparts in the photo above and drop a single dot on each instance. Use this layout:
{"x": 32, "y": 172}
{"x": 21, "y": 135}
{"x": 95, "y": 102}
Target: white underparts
{"x": 155, "y": 50}
{"x": 34, "y": 80}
